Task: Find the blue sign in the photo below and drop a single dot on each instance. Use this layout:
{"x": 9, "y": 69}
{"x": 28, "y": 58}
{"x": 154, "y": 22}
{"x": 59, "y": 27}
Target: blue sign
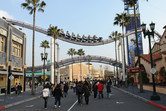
{"x": 131, "y": 41}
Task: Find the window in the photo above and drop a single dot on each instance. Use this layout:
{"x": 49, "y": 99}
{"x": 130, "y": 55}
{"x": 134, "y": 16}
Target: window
{"x": 2, "y": 44}
{"x": 16, "y": 49}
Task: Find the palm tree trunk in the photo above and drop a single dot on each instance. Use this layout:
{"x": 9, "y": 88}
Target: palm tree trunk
{"x": 33, "y": 55}
{"x": 72, "y": 70}
{"x": 140, "y": 74}
{"x": 80, "y": 71}
{"x": 44, "y": 66}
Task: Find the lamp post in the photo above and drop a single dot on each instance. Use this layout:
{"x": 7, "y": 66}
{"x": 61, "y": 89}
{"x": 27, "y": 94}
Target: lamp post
{"x": 44, "y": 58}
{"x": 149, "y": 33}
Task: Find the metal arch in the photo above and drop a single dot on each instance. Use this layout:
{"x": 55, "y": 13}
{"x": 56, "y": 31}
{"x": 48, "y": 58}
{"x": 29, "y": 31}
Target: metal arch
{"x": 69, "y": 61}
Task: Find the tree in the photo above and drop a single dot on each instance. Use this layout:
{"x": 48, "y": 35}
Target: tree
{"x": 53, "y": 31}
{"x": 44, "y": 44}
{"x": 32, "y": 6}
{"x": 122, "y": 20}
{"x": 132, "y": 3}
{"x": 80, "y": 52}
{"x": 71, "y": 52}
{"x": 115, "y": 36}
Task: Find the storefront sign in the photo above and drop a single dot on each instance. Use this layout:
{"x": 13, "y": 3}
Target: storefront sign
{"x": 17, "y": 39}
{"x": 3, "y": 32}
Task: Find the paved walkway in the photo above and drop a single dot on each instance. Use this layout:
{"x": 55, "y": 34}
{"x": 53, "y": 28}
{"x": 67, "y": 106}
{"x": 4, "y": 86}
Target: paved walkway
{"x": 14, "y": 99}
{"x": 7, "y": 101}
{"x": 146, "y": 94}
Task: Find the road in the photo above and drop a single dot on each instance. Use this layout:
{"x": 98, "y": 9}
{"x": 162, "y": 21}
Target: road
{"x": 119, "y": 101}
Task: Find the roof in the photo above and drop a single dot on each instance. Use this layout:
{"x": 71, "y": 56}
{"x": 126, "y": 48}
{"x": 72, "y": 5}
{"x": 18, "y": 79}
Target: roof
{"x": 146, "y": 57}
{"x": 155, "y": 57}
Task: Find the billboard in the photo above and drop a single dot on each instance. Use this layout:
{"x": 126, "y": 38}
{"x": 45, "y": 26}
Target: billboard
{"x": 131, "y": 41}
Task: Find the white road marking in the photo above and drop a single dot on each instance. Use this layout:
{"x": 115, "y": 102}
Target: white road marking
{"x": 30, "y": 106}
{"x": 119, "y": 102}
{"x": 72, "y": 106}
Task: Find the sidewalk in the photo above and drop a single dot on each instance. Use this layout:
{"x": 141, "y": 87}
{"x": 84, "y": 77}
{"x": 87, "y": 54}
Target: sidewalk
{"x": 145, "y": 96}
{"x": 13, "y": 99}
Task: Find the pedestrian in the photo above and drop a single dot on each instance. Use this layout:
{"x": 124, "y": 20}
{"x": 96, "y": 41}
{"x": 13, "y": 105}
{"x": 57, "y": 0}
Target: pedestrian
{"x": 108, "y": 88}
{"x": 86, "y": 91}
{"x": 45, "y": 95}
{"x": 95, "y": 89}
{"x": 65, "y": 89}
{"x": 16, "y": 88}
{"x": 74, "y": 87}
{"x": 100, "y": 89}
{"x": 30, "y": 85}
{"x": 57, "y": 94}
{"x": 19, "y": 88}
{"x": 79, "y": 92}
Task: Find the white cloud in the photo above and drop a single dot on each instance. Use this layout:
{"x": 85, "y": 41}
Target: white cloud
{"x": 5, "y": 14}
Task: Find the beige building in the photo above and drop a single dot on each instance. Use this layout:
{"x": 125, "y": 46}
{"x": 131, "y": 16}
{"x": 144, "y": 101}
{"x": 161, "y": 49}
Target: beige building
{"x": 159, "y": 62}
{"x": 12, "y": 57}
{"x": 87, "y": 71}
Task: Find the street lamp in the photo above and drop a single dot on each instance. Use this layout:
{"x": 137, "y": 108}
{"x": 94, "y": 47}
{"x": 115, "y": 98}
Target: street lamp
{"x": 149, "y": 33}
{"x": 44, "y": 57}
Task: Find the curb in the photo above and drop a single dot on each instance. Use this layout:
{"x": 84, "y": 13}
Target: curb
{"x": 143, "y": 99}
{"x": 19, "y": 102}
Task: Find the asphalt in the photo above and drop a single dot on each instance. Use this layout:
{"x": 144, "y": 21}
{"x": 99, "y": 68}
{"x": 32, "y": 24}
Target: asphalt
{"x": 7, "y": 101}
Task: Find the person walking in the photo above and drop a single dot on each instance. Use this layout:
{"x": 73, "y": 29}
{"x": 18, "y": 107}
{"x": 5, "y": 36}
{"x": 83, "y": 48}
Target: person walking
{"x": 108, "y": 88}
{"x": 45, "y": 95}
{"x": 16, "y": 88}
{"x": 57, "y": 94}
{"x": 65, "y": 89}
{"x": 79, "y": 92}
{"x": 100, "y": 89}
{"x": 86, "y": 91}
{"x": 95, "y": 89}
{"x": 74, "y": 87}
{"x": 19, "y": 88}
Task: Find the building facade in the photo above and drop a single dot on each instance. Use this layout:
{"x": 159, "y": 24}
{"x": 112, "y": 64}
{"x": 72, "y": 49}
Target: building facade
{"x": 159, "y": 62}
{"x": 12, "y": 57}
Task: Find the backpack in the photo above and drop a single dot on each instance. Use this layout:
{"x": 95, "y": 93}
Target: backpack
{"x": 79, "y": 89}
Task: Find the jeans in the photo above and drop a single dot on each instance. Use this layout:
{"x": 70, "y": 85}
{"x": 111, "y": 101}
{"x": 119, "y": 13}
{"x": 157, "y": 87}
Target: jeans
{"x": 45, "y": 102}
{"x": 100, "y": 94}
{"x": 58, "y": 99}
{"x": 65, "y": 94}
{"x": 109, "y": 95}
{"x": 80, "y": 98}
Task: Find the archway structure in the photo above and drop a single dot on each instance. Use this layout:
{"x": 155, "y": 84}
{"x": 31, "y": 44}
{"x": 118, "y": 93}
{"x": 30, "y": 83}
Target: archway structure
{"x": 87, "y": 58}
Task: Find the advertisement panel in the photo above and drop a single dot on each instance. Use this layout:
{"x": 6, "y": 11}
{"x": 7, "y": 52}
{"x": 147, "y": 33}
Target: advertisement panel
{"x": 131, "y": 41}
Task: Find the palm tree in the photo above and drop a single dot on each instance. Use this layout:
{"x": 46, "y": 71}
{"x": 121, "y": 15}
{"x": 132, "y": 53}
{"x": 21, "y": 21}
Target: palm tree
{"x": 71, "y": 52}
{"x": 33, "y": 6}
{"x": 132, "y": 3}
{"x": 53, "y": 31}
{"x": 80, "y": 52}
{"x": 122, "y": 20}
{"x": 115, "y": 36}
{"x": 44, "y": 44}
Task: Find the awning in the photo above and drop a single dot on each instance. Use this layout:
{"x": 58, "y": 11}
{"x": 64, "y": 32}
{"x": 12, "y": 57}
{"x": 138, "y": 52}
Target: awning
{"x": 135, "y": 70}
{"x": 17, "y": 73}
{"x": 3, "y": 72}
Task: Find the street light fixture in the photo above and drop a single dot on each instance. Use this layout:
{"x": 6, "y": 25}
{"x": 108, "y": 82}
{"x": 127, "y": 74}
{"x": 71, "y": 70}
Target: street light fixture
{"x": 44, "y": 57}
{"x": 149, "y": 33}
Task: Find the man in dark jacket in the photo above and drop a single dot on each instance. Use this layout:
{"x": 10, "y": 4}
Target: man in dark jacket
{"x": 57, "y": 94}
{"x": 65, "y": 89}
{"x": 95, "y": 89}
{"x": 79, "y": 92}
{"x": 108, "y": 87}
{"x": 86, "y": 91}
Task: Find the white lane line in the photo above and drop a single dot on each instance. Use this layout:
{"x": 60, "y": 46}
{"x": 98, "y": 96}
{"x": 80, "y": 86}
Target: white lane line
{"x": 72, "y": 106}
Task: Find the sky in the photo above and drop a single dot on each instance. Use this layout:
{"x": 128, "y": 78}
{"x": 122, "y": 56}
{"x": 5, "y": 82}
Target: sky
{"x": 89, "y": 17}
